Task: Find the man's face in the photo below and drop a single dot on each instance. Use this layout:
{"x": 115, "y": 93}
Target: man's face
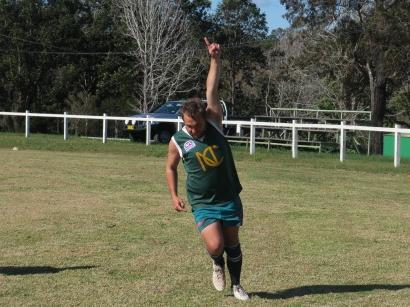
{"x": 195, "y": 125}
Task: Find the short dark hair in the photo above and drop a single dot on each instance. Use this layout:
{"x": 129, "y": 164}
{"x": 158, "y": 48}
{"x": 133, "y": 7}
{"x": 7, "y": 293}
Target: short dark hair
{"x": 194, "y": 107}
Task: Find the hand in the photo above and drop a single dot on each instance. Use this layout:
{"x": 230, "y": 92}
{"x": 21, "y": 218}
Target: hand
{"x": 178, "y": 204}
{"x": 213, "y": 49}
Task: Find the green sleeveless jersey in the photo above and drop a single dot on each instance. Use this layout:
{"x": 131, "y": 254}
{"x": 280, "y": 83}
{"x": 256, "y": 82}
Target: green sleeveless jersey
{"x": 209, "y": 165}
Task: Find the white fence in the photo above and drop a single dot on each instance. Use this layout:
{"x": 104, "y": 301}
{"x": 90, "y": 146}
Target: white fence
{"x": 320, "y": 114}
{"x": 253, "y": 125}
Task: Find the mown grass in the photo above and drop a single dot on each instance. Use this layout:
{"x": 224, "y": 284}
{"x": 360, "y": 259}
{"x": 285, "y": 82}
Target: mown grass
{"x": 86, "y": 223}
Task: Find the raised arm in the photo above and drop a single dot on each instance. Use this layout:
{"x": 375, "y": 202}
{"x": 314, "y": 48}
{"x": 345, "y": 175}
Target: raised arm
{"x": 214, "y": 109}
{"x": 171, "y": 172}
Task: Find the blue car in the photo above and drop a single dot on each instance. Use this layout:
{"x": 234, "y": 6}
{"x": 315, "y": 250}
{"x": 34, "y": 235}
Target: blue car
{"x": 160, "y": 132}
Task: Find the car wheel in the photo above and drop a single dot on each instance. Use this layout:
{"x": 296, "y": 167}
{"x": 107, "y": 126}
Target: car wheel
{"x": 133, "y": 137}
{"x": 163, "y": 136}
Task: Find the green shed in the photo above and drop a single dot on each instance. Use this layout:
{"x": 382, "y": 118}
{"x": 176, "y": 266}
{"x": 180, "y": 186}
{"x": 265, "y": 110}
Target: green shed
{"x": 388, "y": 145}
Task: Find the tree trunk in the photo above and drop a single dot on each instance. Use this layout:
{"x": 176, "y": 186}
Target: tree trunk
{"x": 233, "y": 89}
{"x": 267, "y": 107}
{"x": 378, "y": 84}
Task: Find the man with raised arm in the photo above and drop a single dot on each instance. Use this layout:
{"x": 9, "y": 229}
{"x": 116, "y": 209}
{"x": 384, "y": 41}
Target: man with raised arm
{"x": 212, "y": 184}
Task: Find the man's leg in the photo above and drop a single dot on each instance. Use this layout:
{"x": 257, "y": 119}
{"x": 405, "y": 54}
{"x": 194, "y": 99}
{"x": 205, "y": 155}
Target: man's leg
{"x": 234, "y": 253}
{"x": 214, "y": 242}
{"x": 234, "y": 260}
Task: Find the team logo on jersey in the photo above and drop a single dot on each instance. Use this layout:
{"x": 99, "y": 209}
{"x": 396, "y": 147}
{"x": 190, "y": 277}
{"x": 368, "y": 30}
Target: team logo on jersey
{"x": 208, "y": 158}
{"x": 188, "y": 145}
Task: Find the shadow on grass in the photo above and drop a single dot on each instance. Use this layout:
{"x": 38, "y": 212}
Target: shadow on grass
{"x": 324, "y": 289}
{"x": 28, "y": 270}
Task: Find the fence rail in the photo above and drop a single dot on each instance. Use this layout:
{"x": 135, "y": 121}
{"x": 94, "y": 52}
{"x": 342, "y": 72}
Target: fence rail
{"x": 341, "y": 114}
{"x": 252, "y": 124}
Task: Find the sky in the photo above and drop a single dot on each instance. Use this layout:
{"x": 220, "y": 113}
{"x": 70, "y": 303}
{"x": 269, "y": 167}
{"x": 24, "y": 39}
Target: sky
{"x": 273, "y": 10}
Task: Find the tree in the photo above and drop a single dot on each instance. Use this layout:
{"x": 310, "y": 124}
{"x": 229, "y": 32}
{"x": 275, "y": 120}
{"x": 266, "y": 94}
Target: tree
{"x": 200, "y": 21}
{"x": 399, "y": 105}
{"x": 115, "y": 76}
{"x": 329, "y": 61}
{"x": 379, "y": 29}
{"x": 240, "y": 25}
{"x": 56, "y": 51}
{"x": 163, "y": 48}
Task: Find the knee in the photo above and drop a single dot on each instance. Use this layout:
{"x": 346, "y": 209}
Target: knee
{"x": 215, "y": 247}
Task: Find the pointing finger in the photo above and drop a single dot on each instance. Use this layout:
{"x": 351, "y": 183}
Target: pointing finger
{"x": 207, "y": 41}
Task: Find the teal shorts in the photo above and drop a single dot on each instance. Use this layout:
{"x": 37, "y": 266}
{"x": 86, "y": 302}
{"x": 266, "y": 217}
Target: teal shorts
{"x": 230, "y": 214}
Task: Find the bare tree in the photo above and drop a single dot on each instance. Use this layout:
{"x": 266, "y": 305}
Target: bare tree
{"x": 295, "y": 86}
{"x": 304, "y": 80}
{"x": 163, "y": 48}
{"x": 339, "y": 73}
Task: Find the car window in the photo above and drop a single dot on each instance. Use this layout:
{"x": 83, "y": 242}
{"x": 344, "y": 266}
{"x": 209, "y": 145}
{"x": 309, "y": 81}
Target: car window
{"x": 174, "y": 107}
{"x": 171, "y": 107}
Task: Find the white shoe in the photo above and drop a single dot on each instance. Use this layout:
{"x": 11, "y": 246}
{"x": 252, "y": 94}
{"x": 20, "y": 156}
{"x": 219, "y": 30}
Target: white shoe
{"x": 240, "y": 293}
{"x": 218, "y": 277}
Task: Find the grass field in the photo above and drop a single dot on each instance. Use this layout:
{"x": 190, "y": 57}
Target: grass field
{"x": 83, "y": 223}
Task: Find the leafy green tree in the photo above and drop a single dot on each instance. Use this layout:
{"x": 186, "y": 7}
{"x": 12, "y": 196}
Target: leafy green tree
{"x": 240, "y": 26}
{"x": 19, "y": 78}
{"x": 199, "y": 17}
{"x": 115, "y": 76}
{"x": 399, "y": 106}
{"x": 378, "y": 33}
{"x": 59, "y": 49}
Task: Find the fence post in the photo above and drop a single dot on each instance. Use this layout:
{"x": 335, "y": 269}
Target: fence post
{"x": 294, "y": 139}
{"x": 238, "y": 130}
{"x": 27, "y": 124}
{"x": 396, "y": 146}
{"x": 65, "y": 127}
{"x": 148, "y": 131}
{"x": 252, "y": 140}
{"x": 368, "y": 144}
{"x": 116, "y": 129}
{"x": 104, "y": 128}
{"x": 342, "y": 141}
{"x": 179, "y": 127}
{"x": 370, "y": 135}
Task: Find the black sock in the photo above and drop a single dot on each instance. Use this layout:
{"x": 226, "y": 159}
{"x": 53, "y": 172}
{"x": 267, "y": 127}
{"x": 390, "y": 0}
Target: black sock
{"x": 218, "y": 260}
{"x": 234, "y": 263}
